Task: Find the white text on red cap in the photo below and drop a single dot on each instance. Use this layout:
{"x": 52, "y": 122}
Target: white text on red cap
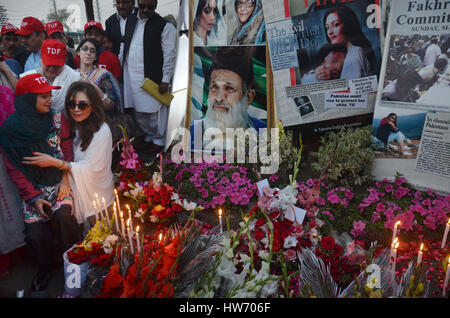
{"x": 52, "y": 25}
{"x": 40, "y": 80}
{"x": 53, "y": 51}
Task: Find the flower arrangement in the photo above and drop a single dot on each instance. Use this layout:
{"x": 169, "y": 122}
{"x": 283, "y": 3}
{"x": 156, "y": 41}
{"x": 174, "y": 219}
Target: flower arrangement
{"x": 212, "y": 184}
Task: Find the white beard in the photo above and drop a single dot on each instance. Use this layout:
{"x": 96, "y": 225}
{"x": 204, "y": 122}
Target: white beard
{"x": 236, "y": 116}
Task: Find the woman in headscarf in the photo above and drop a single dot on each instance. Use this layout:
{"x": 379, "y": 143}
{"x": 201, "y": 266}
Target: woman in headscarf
{"x": 33, "y": 128}
{"x": 251, "y": 27}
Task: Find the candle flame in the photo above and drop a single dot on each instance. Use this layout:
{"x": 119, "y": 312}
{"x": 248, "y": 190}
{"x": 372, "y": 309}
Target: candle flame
{"x": 396, "y": 245}
{"x": 115, "y": 191}
{"x": 127, "y": 206}
{"x": 395, "y": 241}
{"x": 137, "y": 228}
{"x": 421, "y": 246}
{"x": 397, "y": 223}
{"x": 96, "y": 195}
{"x": 220, "y": 212}
{"x": 103, "y": 199}
{"x": 448, "y": 223}
{"x": 121, "y": 214}
{"x": 128, "y": 222}
{"x": 160, "y": 237}
{"x": 114, "y": 208}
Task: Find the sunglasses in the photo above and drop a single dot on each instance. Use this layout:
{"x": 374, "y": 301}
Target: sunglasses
{"x": 81, "y": 105}
{"x": 150, "y": 7}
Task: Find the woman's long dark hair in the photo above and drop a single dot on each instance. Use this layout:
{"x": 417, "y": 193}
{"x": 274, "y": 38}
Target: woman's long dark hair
{"x": 92, "y": 124}
{"x": 198, "y": 14}
{"x": 352, "y": 31}
{"x": 96, "y": 44}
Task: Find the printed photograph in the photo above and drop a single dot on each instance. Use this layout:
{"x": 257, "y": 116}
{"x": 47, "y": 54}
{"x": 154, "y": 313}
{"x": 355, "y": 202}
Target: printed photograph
{"x": 245, "y": 22}
{"x": 209, "y": 23}
{"x": 229, "y": 88}
{"x": 341, "y": 42}
{"x": 397, "y": 132}
{"x": 417, "y": 69}
{"x": 304, "y": 106}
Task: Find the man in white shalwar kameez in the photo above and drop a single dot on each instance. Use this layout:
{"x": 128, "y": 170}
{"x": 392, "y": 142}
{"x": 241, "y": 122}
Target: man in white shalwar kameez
{"x": 150, "y": 114}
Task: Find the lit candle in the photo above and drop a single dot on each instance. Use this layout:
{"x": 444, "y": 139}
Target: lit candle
{"x": 130, "y": 216}
{"x": 99, "y": 206}
{"x": 122, "y": 224}
{"x": 160, "y": 237}
{"x": 106, "y": 210}
{"x": 394, "y": 234}
{"x": 130, "y": 235}
{"x": 138, "y": 241}
{"x": 419, "y": 257}
{"x": 444, "y": 239}
{"x": 115, "y": 217}
{"x": 220, "y": 220}
{"x": 95, "y": 209}
{"x": 394, "y": 261}
{"x": 392, "y": 248}
{"x": 447, "y": 277}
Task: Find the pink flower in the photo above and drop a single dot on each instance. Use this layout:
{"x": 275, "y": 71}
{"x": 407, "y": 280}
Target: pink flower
{"x": 388, "y": 188}
{"x": 375, "y": 217}
{"x": 273, "y": 178}
{"x": 358, "y": 228}
{"x": 329, "y": 214}
{"x": 334, "y": 199}
{"x": 380, "y": 207}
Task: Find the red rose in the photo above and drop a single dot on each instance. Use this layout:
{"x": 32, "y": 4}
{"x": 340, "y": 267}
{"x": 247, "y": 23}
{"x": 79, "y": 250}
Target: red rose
{"x": 337, "y": 250}
{"x": 259, "y": 223}
{"x": 259, "y": 235}
{"x": 327, "y": 243}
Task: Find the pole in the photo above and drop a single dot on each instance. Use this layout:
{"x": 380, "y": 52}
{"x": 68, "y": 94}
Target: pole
{"x": 89, "y": 8}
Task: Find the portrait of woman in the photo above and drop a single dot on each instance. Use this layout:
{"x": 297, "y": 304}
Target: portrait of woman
{"x": 250, "y": 25}
{"x": 342, "y": 26}
{"x": 209, "y": 24}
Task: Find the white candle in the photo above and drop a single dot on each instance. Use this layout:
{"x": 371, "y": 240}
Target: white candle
{"x": 115, "y": 218}
{"x": 106, "y": 209}
{"x": 447, "y": 277}
{"x": 95, "y": 210}
{"x": 130, "y": 236}
{"x": 444, "y": 239}
{"x": 394, "y": 234}
{"x": 130, "y": 216}
{"x": 420, "y": 255}
{"x": 394, "y": 262}
{"x": 99, "y": 206}
{"x": 220, "y": 220}
{"x": 138, "y": 241}
{"x": 122, "y": 224}
{"x": 392, "y": 248}
{"x": 118, "y": 201}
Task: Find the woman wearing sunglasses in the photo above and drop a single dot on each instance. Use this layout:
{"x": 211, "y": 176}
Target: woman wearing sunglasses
{"x": 251, "y": 27}
{"x": 90, "y": 172}
{"x": 209, "y": 25}
{"x": 34, "y": 129}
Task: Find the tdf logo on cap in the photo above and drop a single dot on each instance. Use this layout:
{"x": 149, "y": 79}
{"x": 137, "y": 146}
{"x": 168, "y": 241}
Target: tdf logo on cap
{"x": 53, "y": 51}
{"x": 52, "y": 25}
{"x": 40, "y": 80}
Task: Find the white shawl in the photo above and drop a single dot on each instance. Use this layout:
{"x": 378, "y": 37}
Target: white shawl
{"x": 67, "y": 77}
{"x": 91, "y": 173}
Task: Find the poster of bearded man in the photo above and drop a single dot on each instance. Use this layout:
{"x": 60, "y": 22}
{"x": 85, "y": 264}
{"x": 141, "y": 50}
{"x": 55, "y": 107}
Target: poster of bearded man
{"x": 228, "y": 89}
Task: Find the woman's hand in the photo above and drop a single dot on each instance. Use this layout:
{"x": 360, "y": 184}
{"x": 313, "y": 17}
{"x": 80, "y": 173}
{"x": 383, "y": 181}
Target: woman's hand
{"x": 41, "y": 160}
{"x": 64, "y": 187}
{"x": 39, "y": 205}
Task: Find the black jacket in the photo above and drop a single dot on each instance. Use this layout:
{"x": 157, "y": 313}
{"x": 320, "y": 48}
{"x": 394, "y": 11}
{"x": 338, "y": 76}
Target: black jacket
{"x": 112, "y": 28}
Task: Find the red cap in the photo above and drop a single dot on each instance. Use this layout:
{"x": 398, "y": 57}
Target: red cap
{"x": 93, "y": 24}
{"x": 33, "y": 83}
{"x": 53, "y": 52}
{"x": 30, "y": 25}
{"x": 53, "y": 27}
{"x": 9, "y": 28}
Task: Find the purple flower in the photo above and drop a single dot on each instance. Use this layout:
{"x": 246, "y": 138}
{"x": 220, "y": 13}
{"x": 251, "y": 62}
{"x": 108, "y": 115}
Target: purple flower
{"x": 380, "y": 207}
{"x": 273, "y": 178}
{"x": 334, "y": 199}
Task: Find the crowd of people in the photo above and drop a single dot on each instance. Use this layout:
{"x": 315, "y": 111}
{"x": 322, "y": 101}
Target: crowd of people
{"x": 414, "y": 65}
{"x": 58, "y": 122}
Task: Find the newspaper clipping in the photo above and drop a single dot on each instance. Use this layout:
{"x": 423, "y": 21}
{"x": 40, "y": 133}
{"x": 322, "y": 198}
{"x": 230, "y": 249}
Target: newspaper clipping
{"x": 411, "y": 125}
{"x": 329, "y": 53}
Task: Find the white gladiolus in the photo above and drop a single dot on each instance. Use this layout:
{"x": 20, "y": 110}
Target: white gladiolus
{"x": 290, "y": 241}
